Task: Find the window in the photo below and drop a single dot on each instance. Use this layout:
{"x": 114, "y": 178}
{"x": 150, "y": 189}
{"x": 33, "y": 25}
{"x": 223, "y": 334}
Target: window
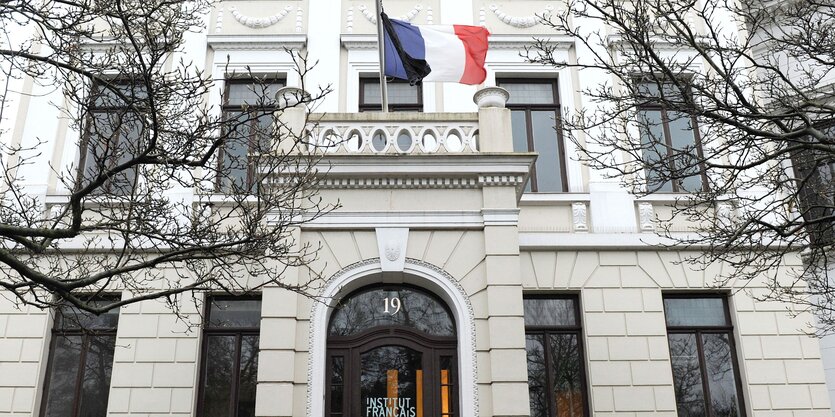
{"x": 401, "y": 95}
{"x": 230, "y": 357}
{"x": 534, "y": 111}
{"x": 703, "y": 356}
{"x": 669, "y": 141}
{"x": 80, "y": 363}
{"x": 556, "y": 380}
{"x": 114, "y": 134}
{"x": 248, "y": 109}
{"x": 815, "y": 172}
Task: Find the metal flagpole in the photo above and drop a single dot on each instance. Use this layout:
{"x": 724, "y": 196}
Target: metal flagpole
{"x": 381, "y": 47}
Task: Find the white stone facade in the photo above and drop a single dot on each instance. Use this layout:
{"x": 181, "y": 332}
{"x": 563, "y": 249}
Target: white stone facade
{"x": 462, "y": 229}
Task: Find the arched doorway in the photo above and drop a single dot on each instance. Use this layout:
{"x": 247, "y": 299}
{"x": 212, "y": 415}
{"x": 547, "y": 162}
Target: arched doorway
{"x": 391, "y": 352}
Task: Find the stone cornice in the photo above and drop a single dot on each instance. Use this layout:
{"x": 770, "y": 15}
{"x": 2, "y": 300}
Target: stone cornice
{"x": 256, "y": 42}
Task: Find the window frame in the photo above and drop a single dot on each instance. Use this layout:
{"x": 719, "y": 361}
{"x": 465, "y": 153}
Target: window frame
{"x": 528, "y": 108}
{"x": 651, "y": 105}
{"x": 545, "y": 330}
{"x": 85, "y": 334}
{"x": 252, "y": 111}
{"x": 87, "y": 135}
{"x": 362, "y": 106}
{"x": 239, "y": 333}
{"x": 698, "y": 331}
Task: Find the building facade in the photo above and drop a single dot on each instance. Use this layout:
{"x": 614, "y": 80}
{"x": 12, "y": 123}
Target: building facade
{"x": 476, "y": 267}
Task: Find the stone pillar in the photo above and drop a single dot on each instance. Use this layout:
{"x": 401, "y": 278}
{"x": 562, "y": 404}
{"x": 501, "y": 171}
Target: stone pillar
{"x": 494, "y": 130}
{"x": 278, "y": 354}
{"x": 507, "y": 363}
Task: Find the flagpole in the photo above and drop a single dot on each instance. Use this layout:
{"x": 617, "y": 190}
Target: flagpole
{"x": 384, "y": 99}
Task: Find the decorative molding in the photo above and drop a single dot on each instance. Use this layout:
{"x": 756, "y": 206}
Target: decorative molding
{"x": 519, "y": 42}
{"x": 354, "y": 42}
{"x": 364, "y": 220}
{"x": 259, "y": 22}
{"x": 391, "y": 243}
{"x": 500, "y": 180}
{"x": 646, "y": 217}
{"x": 724, "y": 213}
{"x": 521, "y": 22}
{"x": 408, "y": 17}
{"x": 219, "y": 20}
{"x": 501, "y": 217}
{"x": 579, "y": 216}
{"x": 349, "y": 20}
{"x": 256, "y": 42}
{"x": 429, "y": 17}
{"x": 396, "y": 183}
{"x": 424, "y": 273}
{"x": 299, "y": 19}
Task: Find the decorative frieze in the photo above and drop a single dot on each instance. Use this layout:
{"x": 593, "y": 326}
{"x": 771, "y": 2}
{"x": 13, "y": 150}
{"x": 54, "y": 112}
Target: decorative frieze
{"x": 521, "y": 22}
{"x": 259, "y": 22}
{"x": 408, "y": 17}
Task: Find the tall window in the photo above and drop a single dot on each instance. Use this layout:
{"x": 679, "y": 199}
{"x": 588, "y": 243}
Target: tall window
{"x": 401, "y": 95}
{"x": 556, "y": 381}
{"x": 669, "y": 140}
{"x": 114, "y": 134}
{"x": 248, "y": 109}
{"x": 705, "y": 375}
{"x": 230, "y": 358}
{"x": 80, "y": 363}
{"x": 815, "y": 171}
{"x": 534, "y": 111}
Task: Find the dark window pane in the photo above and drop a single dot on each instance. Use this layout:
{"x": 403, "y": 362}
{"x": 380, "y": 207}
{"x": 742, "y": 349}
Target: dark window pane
{"x": 695, "y": 311}
{"x": 220, "y": 367}
{"x": 63, "y": 376}
{"x": 116, "y": 94}
{"x": 721, "y": 380}
{"x": 687, "y": 377}
{"x": 248, "y": 376}
{"x": 518, "y": 123}
{"x": 529, "y": 93}
{"x": 390, "y": 380}
{"x": 391, "y": 306}
{"x": 519, "y": 131}
{"x": 235, "y": 153}
{"x": 550, "y": 312}
{"x": 71, "y": 318}
{"x": 253, "y": 94}
{"x": 655, "y": 150}
{"x": 685, "y": 154}
{"x": 549, "y": 162}
{"x": 537, "y": 375}
{"x": 567, "y": 375}
{"x": 398, "y": 93}
{"x": 235, "y": 313}
{"x": 337, "y": 384}
{"x": 98, "y": 366}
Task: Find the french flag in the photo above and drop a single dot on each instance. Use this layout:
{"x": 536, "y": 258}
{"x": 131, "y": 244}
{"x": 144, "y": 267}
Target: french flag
{"x": 454, "y": 53}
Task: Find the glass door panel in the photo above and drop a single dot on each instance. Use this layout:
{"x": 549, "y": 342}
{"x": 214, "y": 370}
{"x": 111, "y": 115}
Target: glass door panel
{"x": 391, "y": 382}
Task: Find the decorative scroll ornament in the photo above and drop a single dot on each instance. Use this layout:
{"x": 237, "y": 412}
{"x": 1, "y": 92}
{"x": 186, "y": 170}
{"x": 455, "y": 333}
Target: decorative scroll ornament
{"x": 580, "y": 216}
{"x": 646, "y": 215}
{"x": 407, "y": 17}
{"x": 259, "y": 22}
{"x": 518, "y": 21}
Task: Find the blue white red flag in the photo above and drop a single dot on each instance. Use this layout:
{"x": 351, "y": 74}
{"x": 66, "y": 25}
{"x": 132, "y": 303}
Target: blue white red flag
{"x": 454, "y": 53}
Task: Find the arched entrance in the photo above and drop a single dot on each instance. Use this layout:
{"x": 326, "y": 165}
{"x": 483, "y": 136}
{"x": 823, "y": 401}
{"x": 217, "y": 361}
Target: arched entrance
{"x": 391, "y": 352}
